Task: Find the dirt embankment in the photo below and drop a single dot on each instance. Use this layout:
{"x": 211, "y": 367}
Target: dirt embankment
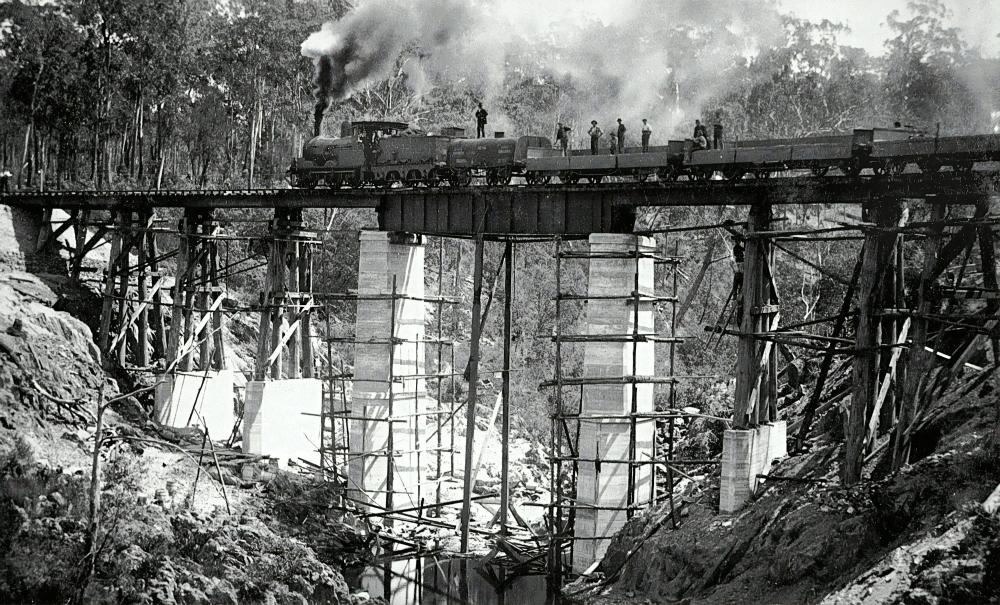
{"x": 916, "y": 536}
{"x": 163, "y": 538}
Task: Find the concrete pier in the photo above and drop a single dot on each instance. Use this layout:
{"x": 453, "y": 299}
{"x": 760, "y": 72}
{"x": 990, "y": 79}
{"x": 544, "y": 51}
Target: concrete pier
{"x": 605, "y": 485}
{"x": 385, "y": 403}
{"x": 747, "y": 453}
{"x": 280, "y": 419}
{"x": 199, "y": 398}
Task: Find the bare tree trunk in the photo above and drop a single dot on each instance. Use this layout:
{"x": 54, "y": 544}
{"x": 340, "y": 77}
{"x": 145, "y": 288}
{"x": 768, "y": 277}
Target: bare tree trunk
{"x": 139, "y": 137}
{"x": 706, "y": 262}
{"x": 93, "y": 515}
{"x": 24, "y": 156}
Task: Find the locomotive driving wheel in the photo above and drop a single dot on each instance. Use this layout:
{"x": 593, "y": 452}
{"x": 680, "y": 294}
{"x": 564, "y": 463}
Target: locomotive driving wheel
{"x": 893, "y": 167}
{"x": 963, "y": 166}
{"x": 595, "y": 180}
{"x": 667, "y": 173}
{"x": 930, "y": 165}
{"x": 640, "y": 175}
{"x": 433, "y": 179}
{"x": 414, "y": 178}
{"x": 568, "y": 178}
{"x": 819, "y": 171}
{"x": 851, "y": 167}
{"x": 732, "y": 173}
{"x": 503, "y": 176}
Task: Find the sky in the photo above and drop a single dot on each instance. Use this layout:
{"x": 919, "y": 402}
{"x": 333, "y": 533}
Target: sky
{"x": 978, "y": 20}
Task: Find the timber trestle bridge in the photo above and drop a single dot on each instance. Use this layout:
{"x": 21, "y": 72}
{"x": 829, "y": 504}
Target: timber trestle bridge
{"x": 380, "y": 401}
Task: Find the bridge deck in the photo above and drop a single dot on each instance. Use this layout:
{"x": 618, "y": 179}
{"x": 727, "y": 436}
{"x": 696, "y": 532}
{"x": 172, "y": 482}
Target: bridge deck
{"x": 537, "y": 210}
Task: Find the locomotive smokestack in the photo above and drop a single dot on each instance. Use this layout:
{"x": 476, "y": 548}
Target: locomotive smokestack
{"x": 363, "y": 46}
{"x": 318, "y": 118}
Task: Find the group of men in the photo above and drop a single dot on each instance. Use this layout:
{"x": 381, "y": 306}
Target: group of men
{"x": 700, "y": 136}
{"x": 616, "y": 138}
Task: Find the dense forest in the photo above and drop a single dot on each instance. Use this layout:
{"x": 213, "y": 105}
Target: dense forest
{"x": 204, "y": 93}
{"x": 200, "y": 93}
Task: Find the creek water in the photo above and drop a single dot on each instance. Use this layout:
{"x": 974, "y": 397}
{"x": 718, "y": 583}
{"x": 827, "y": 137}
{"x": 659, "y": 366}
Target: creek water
{"x": 440, "y": 581}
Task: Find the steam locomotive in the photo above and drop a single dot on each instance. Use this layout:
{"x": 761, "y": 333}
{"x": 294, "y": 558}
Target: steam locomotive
{"x": 384, "y": 154}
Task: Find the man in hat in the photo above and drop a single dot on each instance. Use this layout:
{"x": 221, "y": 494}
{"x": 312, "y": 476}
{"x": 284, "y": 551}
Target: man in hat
{"x": 595, "y": 133}
{"x": 647, "y": 132}
{"x": 621, "y": 136}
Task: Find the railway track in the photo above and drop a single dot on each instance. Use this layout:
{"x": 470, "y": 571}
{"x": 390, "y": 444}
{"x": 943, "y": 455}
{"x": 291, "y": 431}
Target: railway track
{"x": 792, "y": 188}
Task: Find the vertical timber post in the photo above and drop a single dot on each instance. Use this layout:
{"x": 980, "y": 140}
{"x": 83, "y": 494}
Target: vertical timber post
{"x": 920, "y": 359}
{"x": 879, "y": 246}
{"x": 470, "y": 412}
{"x": 756, "y": 437}
{"x": 505, "y": 430}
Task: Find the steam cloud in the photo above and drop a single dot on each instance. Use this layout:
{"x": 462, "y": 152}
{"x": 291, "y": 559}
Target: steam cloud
{"x": 659, "y": 59}
{"x": 363, "y": 46}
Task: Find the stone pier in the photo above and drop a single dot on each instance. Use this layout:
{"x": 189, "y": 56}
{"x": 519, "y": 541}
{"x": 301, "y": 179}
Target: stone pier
{"x": 602, "y": 489}
{"x": 384, "y": 402}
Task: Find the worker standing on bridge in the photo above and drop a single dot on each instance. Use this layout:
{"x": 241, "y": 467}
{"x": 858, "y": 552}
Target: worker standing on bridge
{"x": 612, "y": 143}
{"x": 621, "y": 136}
{"x": 647, "y": 132}
{"x": 717, "y": 133}
{"x": 481, "y": 121}
{"x": 595, "y": 133}
{"x": 562, "y": 138}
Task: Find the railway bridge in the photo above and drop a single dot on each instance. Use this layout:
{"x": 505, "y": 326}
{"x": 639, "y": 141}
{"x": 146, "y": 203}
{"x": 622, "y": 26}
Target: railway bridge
{"x": 377, "y": 426}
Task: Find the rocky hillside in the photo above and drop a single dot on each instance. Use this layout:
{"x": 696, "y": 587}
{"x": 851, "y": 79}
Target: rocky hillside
{"x": 916, "y": 536}
{"x": 168, "y": 529}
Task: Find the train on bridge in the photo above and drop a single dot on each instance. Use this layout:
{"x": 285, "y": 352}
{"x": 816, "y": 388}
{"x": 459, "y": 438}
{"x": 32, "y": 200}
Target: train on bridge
{"x": 387, "y": 154}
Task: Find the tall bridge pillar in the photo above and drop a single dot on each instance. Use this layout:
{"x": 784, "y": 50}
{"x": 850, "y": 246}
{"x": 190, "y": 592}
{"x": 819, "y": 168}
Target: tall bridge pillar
{"x": 284, "y": 401}
{"x": 195, "y": 387}
{"x": 388, "y": 371}
{"x": 618, "y": 364}
{"x": 757, "y": 437}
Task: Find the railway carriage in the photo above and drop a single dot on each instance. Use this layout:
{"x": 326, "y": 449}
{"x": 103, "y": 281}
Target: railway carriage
{"x": 934, "y": 153}
{"x": 665, "y": 161}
